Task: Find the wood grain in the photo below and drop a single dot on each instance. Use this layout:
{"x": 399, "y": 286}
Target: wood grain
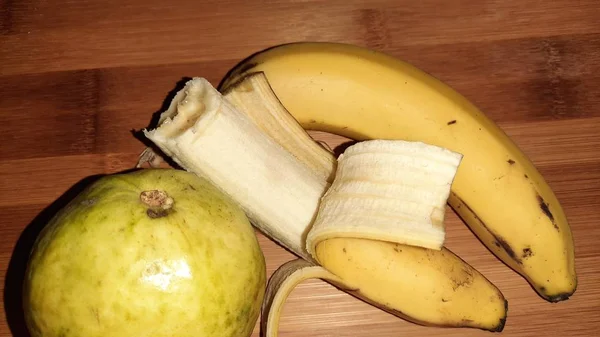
{"x": 76, "y": 77}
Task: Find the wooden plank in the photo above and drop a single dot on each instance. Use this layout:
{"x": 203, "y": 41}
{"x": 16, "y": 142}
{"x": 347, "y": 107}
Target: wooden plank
{"x": 76, "y": 77}
{"x": 304, "y": 311}
{"x": 85, "y": 35}
{"x": 104, "y": 105}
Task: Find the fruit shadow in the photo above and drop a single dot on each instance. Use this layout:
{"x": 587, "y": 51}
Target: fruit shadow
{"x": 139, "y": 134}
{"x": 15, "y": 273}
{"x": 338, "y": 150}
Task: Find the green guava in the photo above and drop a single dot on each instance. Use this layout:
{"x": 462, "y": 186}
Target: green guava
{"x": 154, "y": 252}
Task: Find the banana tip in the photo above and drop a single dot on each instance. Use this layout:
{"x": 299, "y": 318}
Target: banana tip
{"x": 559, "y": 297}
{"x": 556, "y": 297}
{"x": 502, "y": 321}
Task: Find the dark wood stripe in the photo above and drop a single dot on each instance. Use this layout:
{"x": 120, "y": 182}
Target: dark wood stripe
{"x": 97, "y": 34}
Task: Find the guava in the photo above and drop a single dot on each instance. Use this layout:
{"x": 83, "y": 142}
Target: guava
{"x": 154, "y": 252}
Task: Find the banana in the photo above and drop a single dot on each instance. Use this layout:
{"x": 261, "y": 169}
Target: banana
{"x": 206, "y": 134}
{"x": 424, "y": 286}
{"x": 498, "y": 192}
{"x": 449, "y": 293}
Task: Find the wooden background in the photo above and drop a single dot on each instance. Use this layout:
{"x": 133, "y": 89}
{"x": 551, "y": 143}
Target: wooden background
{"x": 77, "y": 76}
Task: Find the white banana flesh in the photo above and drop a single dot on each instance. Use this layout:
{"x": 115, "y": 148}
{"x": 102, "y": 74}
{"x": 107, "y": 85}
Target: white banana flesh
{"x": 388, "y": 190}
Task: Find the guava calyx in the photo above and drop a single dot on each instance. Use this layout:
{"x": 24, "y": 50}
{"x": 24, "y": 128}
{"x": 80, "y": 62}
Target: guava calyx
{"x": 158, "y": 202}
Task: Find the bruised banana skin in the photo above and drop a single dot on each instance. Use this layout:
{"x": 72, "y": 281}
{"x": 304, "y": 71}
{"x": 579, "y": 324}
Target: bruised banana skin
{"x": 363, "y": 94}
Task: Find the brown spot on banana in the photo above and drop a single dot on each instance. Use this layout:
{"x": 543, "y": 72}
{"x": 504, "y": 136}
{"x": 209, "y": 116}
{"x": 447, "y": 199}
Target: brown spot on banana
{"x": 559, "y": 297}
{"x": 457, "y": 324}
{"x": 544, "y": 206}
{"x": 499, "y": 241}
{"x": 451, "y": 122}
{"x": 511, "y": 162}
{"x": 527, "y": 253}
{"x": 464, "y": 280}
{"x": 500, "y": 326}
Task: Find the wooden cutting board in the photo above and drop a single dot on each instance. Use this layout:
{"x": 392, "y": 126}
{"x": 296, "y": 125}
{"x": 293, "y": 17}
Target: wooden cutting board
{"x": 76, "y": 77}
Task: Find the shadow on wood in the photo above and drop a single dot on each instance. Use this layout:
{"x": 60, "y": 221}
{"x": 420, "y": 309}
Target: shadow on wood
{"x": 15, "y": 273}
{"x": 338, "y": 150}
{"x": 139, "y": 134}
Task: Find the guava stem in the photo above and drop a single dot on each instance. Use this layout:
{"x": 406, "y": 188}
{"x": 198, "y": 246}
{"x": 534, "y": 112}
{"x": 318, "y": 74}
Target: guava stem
{"x": 158, "y": 202}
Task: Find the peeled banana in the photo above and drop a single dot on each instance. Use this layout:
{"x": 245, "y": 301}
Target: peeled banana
{"x": 497, "y": 191}
{"x": 280, "y": 191}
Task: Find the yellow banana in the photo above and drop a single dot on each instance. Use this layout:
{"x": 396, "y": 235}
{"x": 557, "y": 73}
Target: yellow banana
{"x": 363, "y": 94}
{"x": 457, "y": 294}
{"x": 425, "y": 286}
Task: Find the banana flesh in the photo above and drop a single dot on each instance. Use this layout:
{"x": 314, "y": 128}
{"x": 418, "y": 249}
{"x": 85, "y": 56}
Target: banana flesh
{"x": 205, "y": 134}
{"x": 498, "y": 192}
{"x": 387, "y": 190}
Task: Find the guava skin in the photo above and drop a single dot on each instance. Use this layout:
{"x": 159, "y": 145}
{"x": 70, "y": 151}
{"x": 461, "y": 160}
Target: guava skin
{"x": 109, "y": 265}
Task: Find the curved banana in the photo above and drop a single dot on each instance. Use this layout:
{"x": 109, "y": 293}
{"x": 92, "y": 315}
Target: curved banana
{"x": 363, "y": 94}
{"x": 424, "y": 286}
